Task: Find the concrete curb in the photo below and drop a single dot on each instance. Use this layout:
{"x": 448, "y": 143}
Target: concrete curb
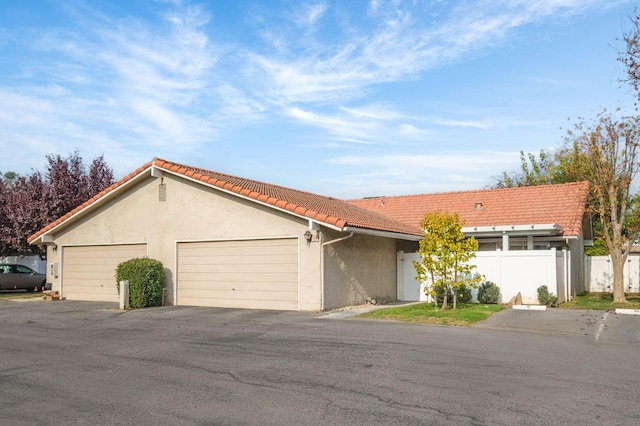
{"x": 529, "y": 307}
{"x": 627, "y": 311}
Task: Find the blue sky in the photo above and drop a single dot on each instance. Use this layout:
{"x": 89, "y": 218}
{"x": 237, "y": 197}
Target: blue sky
{"x": 345, "y": 99}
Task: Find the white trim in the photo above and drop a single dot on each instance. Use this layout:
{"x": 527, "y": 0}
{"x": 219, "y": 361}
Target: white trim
{"x": 550, "y": 229}
{"x": 105, "y": 244}
{"x": 388, "y": 234}
{"x": 214, "y": 240}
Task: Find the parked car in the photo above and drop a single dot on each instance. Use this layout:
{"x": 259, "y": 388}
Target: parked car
{"x": 20, "y": 277}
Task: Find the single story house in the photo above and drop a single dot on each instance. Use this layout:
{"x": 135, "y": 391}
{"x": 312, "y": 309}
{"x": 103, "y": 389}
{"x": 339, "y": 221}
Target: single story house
{"x": 226, "y": 241}
{"x": 231, "y": 242}
{"x": 528, "y": 236}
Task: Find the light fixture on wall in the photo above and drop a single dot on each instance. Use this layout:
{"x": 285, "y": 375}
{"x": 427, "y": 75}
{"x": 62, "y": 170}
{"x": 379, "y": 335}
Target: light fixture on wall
{"x": 54, "y": 247}
{"x": 308, "y": 236}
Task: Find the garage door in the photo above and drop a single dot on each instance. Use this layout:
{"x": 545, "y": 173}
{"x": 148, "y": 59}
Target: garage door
{"x": 88, "y": 272}
{"x": 256, "y": 274}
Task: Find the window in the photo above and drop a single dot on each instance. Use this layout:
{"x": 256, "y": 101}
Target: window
{"x": 23, "y": 269}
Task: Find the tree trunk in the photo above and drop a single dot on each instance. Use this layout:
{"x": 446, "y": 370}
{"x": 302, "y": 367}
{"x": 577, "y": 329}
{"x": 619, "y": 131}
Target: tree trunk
{"x": 455, "y": 298}
{"x": 444, "y": 300}
{"x": 617, "y": 263}
{"x": 434, "y": 292}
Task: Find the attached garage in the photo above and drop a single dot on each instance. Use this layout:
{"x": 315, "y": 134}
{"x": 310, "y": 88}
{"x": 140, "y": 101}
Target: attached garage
{"x": 256, "y": 274}
{"x": 225, "y": 241}
{"x": 89, "y": 271}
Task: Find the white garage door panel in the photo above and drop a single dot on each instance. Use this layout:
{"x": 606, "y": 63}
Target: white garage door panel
{"x": 88, "y": 272}
{"x": 240, "y": 279}
{"x": 258, "y": 274}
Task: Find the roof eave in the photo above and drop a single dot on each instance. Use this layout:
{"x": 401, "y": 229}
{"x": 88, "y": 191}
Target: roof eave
{"x": 547, "y": 229}
{"x": 388, "y": 234}
{"x": 335, "y": 226}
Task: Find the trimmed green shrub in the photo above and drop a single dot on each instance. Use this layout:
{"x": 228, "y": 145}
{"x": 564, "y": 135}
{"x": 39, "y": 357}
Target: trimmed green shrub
{"x": 146, "y": 281}
{"x": 488, "y": 293}
{"x": 546, "y": 298}
{"x": 464, "y": 294}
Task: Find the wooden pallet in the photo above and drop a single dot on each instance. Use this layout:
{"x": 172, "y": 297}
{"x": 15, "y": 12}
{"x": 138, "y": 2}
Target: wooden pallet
{"x": 51, "y": 295}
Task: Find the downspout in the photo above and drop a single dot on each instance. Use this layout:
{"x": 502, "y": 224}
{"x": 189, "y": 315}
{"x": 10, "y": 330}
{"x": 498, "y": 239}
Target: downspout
{"x": 567, "y": 259}
{"x": 337, "y": 240}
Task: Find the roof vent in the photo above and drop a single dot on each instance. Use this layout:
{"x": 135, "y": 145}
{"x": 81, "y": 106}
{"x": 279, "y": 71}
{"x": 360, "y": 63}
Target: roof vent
{"x": 478, "y": 205}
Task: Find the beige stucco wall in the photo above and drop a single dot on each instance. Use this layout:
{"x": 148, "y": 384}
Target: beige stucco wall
{"x": 191, "y": 212}
{"x": 357, "y": 268}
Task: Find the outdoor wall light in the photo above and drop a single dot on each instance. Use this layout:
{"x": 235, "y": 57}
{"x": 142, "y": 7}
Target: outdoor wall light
{"x": 308, "y": 236}
{"x": 54, "y": 247}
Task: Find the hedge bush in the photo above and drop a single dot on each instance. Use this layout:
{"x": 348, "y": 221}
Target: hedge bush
{"x": 146, "y": 281}
{"x": 488, "y": 293}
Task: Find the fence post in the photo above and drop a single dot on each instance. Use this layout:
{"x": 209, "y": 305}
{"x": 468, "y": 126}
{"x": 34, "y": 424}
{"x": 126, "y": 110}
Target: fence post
{"x": 124, "y": 294}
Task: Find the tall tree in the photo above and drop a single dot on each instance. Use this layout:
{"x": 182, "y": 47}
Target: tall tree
{"x": 68, "y": 183}
{"x": 100, "y": 176}
{"x": 29, "y": 202}
{"x": 607, "y": 156}
{"x": 547, "y": 169}
{"x": 629, "y": 57}
{"x": 445, "y": 255}
{"x": 24, "y": 212}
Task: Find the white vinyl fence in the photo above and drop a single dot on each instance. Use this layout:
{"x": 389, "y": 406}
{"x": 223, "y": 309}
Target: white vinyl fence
{"x": 599, "y": 274}
{"x": 517, "y": 271}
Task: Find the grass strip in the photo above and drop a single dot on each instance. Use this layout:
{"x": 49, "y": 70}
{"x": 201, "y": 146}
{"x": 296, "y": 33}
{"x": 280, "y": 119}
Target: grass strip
{"x": 425, "y": 313}
{"x": 602, "y": 301}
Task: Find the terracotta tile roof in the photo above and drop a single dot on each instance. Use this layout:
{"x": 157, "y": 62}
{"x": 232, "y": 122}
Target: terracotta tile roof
{"x": 546, "y": 204}
{"x": 325, "y": 210}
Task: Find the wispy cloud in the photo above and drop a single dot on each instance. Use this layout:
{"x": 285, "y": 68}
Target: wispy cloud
{"x": 308, "y": 14}
{"x": 117, "y": 85}
{"x": 409, "y": 174}
{"x": 372, "y": 124}
{"x": 123, "y": 85}
{"x": 405, "y": 41}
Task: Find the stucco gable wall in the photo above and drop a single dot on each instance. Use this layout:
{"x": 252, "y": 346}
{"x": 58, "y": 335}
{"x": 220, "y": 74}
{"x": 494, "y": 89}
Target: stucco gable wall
{"x": 357, "y": 268}
{"x": 191, "y": 212}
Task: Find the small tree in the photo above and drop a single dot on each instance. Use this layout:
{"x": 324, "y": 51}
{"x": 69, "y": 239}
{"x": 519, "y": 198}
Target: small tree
{"x": 445, "y": 255}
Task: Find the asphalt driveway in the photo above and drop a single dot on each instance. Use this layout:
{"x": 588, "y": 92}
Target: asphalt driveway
{"x": 83, "y": 363}
{"x": 599, "y": 326}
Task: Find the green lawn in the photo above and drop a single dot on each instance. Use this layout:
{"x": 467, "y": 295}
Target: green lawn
{"x": 18, "y": 295}
{"x": 466, "y": 314}
{"x": 602, "y": 301}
